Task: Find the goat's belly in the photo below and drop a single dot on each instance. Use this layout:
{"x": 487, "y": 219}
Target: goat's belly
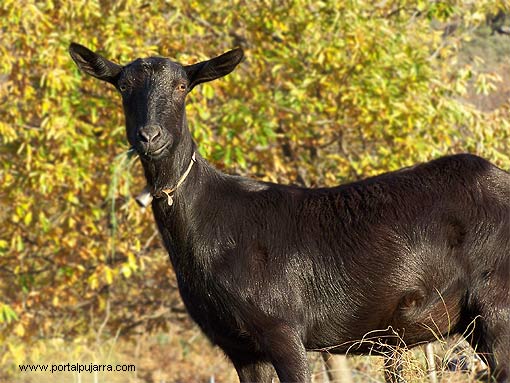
{"x": 359, "y": 337}
{"x": 367, "y": 341}
{"x": 409, "y": 318}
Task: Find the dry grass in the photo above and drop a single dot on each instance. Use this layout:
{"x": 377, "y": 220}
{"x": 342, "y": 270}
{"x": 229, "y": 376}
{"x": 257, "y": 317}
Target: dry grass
{"x": 174, "y": 356}
{"x": 186, "y": 357}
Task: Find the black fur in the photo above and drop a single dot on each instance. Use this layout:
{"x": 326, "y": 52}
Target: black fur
{"x": 269, "y": 271}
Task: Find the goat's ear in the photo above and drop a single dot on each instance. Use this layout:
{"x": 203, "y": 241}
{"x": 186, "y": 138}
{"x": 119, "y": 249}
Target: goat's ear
{"x": 214, "y": 68}
{"x": 94, "y": 64}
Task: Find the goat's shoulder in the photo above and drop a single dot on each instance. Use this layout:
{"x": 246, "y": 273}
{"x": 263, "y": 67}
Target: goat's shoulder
{"x": 465, "y": 161}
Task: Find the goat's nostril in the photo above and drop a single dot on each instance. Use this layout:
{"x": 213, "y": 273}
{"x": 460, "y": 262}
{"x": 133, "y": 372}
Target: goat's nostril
{"x": 149, "y": 133}
{"x": 142, "y": 136}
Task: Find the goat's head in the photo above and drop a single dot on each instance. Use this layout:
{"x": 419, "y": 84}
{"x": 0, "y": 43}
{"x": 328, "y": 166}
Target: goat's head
{"x": 153, "y": 93}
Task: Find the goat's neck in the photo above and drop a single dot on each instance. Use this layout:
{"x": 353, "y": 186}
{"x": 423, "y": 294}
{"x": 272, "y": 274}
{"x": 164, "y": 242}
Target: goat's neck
{"x": 178, "y": 223}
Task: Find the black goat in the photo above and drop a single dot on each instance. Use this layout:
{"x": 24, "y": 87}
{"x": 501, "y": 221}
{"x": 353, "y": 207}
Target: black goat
{"x": 269, "y": 271}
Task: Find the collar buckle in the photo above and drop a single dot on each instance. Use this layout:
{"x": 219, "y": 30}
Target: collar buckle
{"x": 145, "y": 197}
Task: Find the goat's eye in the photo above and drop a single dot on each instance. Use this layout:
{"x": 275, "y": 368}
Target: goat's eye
{"x": 122, "y": 87}
{"x": 181, "y": 87}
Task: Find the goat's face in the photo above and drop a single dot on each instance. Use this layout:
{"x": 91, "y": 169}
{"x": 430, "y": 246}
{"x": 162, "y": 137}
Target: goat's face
{"x": 153, "y": 93}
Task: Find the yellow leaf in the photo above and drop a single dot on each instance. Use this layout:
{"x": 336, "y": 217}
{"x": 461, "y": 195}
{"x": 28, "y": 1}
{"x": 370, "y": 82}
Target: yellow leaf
{"x": 108, "y": 273}
{"x": 28, "y": 218}
{"x": 19, "y": 330}
{"x": 93, "y": 282}
{"x": 126, "y": 270}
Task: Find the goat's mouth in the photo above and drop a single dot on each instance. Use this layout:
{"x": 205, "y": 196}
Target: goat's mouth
{"x": 153, "y": 153}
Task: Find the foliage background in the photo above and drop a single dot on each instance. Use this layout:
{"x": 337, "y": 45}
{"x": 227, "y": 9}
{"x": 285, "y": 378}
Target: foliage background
{"x": 329, "y": 92}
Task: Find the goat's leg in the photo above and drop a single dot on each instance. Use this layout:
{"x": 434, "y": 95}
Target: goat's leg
{"x": 253, "y": 371}
{"x": 491, "y": 340}
{"x": 501, "y": 371}
{"x": 285, "y": 349}
{"x": 251, "y": 366}
{"x": 393, "y": 366}
{"x": 496, "y": 357}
